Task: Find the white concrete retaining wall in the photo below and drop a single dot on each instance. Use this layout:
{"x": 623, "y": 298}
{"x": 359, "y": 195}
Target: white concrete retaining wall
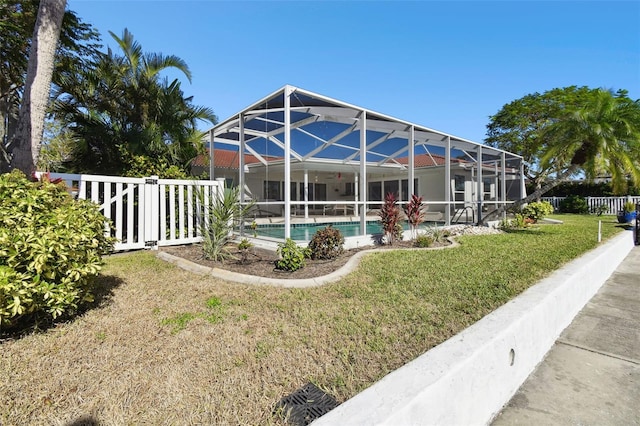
{"x": 467, "y": 379}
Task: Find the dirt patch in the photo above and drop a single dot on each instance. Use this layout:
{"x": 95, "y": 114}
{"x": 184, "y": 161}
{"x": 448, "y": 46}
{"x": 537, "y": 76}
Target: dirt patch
{"x": 261, "y": 262}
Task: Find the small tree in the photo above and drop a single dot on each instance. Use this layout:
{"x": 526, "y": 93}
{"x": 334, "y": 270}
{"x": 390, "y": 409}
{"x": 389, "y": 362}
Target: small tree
{"x": 415, "y": 214}
{"x": 390, "y": 217}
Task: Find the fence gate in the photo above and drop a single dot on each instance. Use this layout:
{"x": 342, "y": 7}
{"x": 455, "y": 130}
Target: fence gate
{"x": 147, "y": 212}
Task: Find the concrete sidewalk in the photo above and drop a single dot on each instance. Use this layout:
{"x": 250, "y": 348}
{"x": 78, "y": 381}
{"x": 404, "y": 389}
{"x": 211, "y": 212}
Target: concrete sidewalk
{"x": 591, "y": 376}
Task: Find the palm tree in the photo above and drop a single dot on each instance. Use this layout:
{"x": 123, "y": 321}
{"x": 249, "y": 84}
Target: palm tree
{"x": 38, "y": 84}
{"x": 602, "y": 137}
{"x": 140, "y": 65}
{"x": 121, "y": 110}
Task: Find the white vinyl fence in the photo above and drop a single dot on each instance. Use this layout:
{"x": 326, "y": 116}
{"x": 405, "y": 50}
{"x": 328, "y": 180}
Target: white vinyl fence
{"x": 614, "y": 204}
{"x": 147, "y": 212}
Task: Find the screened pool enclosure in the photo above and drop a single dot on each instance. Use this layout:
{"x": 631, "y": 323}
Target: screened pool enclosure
{"x": 306, "y": 158}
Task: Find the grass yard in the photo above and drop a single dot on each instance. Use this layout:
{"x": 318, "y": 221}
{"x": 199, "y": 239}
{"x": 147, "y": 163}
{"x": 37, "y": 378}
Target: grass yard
{"x": 169, "y": 347}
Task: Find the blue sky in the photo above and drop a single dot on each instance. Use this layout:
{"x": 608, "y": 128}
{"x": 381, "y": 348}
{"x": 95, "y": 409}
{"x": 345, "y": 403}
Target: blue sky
{"x": 445, "y": 65}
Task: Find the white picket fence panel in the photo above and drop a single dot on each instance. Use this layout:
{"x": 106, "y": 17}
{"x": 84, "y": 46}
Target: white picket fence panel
{"x": 147, "y": 212}
{"x": 614, "y": 204}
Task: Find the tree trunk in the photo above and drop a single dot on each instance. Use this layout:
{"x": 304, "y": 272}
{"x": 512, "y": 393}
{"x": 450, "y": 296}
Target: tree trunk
{"x": 531, "y": 197}
{"x": 38, "y": 85}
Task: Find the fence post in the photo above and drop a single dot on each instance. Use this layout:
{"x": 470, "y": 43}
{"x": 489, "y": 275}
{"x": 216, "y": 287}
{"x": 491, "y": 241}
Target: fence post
{"x": 151, "y": 212}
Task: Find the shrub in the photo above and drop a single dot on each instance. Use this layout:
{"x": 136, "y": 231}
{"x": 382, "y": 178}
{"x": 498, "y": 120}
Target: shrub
{"x": 600, "y": 209}
{"x": 574, "y": 204}
{"x": 244, "y": 247}
{"x": 143, "y": 166}
{"x": 519, "y": 221}
{"x": 423, "y": 241}
{"x": 291, "y": 256}
{"x": 628, "y": 207}
{"x": 415, "y": 214}
{"x": 390, "y": 217}
{"x": 224, "y": 213}
{"x": 51, "y": 249}
{"x": 537, "y": 210}
{"x": 399, "y": 232}
{"x": 438, "y": 235}
{"x": 505, "y": 224}
{"x": 326, "y": 243}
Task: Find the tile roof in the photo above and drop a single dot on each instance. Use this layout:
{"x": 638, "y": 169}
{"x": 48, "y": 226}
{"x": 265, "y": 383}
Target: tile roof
{"x": 225, "y": 158}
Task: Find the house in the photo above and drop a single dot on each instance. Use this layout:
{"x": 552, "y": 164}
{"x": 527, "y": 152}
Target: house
{"x": 305, "y": 156}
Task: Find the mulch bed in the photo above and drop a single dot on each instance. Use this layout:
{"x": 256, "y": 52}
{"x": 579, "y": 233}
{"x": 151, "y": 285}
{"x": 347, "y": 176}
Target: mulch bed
{"x": 261, "y": 262}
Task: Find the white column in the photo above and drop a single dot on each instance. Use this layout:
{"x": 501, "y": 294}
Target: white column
{"x": 240, "y": 167}
{"x": 363, "y": 172}
{"x": 447, "y": 181}
{"x": 287, "y": 162}
{"x": 503, "y": 188}
{"x": 306, "y": 194}
{"x": 480, "y": 186}
{"x": 412, "y": 136}
{"x": 496, "y": 184}
{"x": 523, "y": 187}
{"x": 356, "y": 190}
{"x": 241, "y": 158}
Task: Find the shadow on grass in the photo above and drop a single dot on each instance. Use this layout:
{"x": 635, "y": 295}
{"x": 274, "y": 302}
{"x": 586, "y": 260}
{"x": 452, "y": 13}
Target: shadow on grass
{"x": 625, "y": 226}
{"x": 530, "y": 230}
{"x": 83, "y": 421}
{"x": 103, "y": 285}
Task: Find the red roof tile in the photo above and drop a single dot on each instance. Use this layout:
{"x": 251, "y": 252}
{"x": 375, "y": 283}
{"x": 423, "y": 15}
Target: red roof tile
{"x": 426, "y": 160}
{"x": 224, "y": 158}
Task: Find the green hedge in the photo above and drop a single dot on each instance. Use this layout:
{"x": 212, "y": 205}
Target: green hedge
{"x": 51, "y": 248}
{"x": 585, "y": 189}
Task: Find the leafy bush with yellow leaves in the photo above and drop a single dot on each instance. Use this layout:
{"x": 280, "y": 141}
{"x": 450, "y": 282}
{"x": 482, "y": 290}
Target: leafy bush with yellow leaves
{"x": 51, "y": 249}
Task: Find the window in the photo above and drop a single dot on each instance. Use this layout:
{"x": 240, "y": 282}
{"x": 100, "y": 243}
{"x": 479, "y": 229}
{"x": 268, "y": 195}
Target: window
{"x": 487, "y": 184}
{"x": 349, "y": 188}
{"x": 459, "y": 182}
{"x": 271, "y": 190}
{"x": 405, "y": 188}
{"x": 317, "y": 191}
{"x": 374, "y": 191}
{"x": 320, "y": 191}
{"x": 391, "y": 186}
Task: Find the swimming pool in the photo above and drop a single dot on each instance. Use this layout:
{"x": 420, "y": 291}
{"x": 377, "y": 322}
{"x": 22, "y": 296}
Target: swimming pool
{"x": 305, "y": 231}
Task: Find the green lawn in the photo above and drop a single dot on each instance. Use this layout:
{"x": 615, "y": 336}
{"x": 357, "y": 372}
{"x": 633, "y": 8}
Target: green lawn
{"x": 170, "y": 347}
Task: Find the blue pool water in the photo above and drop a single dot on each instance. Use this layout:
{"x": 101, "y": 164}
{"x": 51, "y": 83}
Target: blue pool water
{"x": 305, "y": 231}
